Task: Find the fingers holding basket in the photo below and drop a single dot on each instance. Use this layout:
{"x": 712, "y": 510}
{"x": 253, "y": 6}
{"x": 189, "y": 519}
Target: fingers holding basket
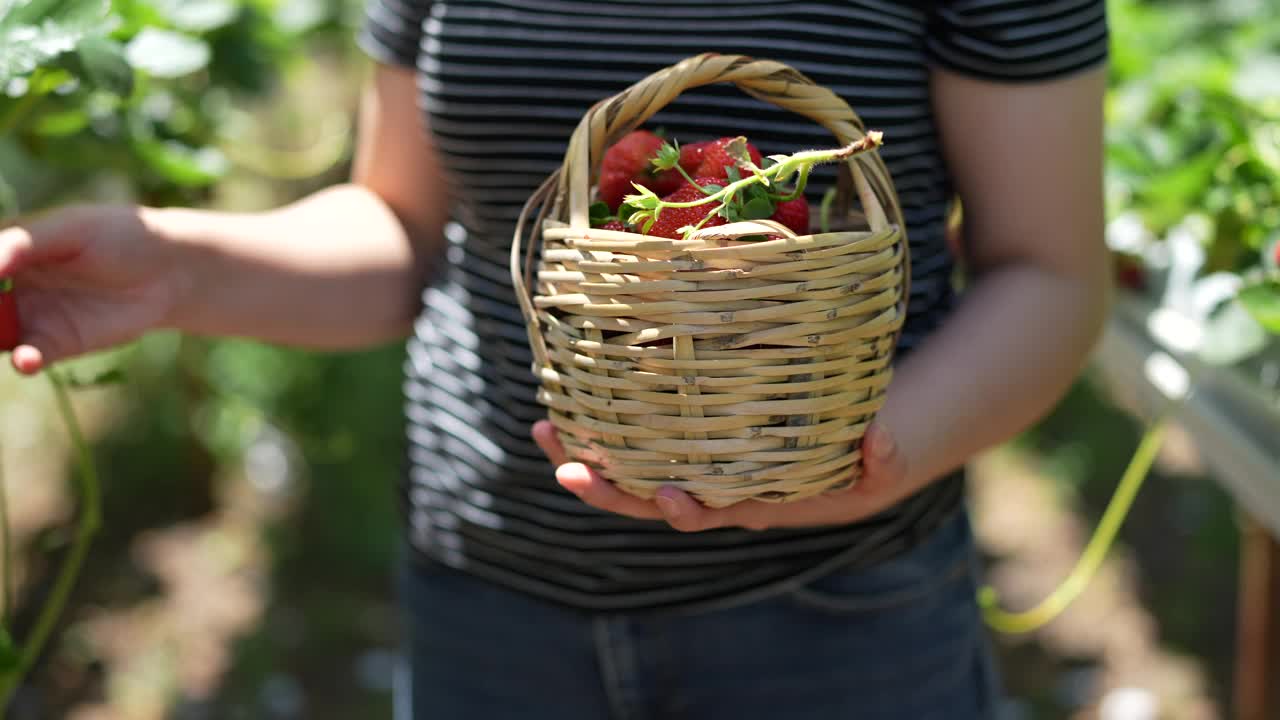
{"x": 586, "y": 483}
{"x": 882, "y": 484}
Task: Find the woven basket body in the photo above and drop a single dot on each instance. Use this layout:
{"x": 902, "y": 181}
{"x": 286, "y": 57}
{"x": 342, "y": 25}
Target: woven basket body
{"x": 733, "y": 369}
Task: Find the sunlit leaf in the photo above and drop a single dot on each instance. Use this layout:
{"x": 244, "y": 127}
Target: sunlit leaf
{"x": 167, "y": 54}
{"x": 199, "y": 16}
{"x": 33, "y": 32}
{"x": 1263, "y": 303}
{"x": 1232, "y": 335}
{"x": 182, "y": 164}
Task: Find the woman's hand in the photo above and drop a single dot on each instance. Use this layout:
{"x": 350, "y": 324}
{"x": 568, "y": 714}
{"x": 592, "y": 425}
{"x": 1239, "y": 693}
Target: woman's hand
{"x": 86, "y": 278}
{"x": 884, "y": 483}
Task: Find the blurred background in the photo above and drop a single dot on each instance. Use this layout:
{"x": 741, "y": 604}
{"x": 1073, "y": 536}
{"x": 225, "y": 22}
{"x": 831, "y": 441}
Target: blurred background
{"x": 243, "y": 569}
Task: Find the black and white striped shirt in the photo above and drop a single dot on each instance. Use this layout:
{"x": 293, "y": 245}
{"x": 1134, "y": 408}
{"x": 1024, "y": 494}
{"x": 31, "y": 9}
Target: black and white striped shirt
{"x": 503, "y": 84}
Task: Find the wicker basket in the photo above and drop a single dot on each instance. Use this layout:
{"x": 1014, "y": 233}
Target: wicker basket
{"x": 733, "y": 369}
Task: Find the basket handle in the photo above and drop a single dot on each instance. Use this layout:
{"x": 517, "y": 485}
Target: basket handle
{"x": 608, "y": 120}
{"x": 766, "y": 80}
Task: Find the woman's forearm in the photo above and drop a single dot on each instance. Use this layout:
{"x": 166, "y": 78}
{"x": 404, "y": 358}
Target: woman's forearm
{"x": 336, "y": 270}
{"x": 1012, "y": 348}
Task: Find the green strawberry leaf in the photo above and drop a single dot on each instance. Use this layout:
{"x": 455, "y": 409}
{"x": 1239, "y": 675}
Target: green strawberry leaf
{"x": 69, "y": 13}
{"x": 61, "y": 123}
{"x": 599, "y": 213}
{"x": 1231, "y": 335}
{"x": 1263, "y": 303}
{"x": 181, "y": 164}
{"x": 102, "y": 62}
{"x": 167, "y": 54}
{"x": 198, "y": 16}
{"x": 758, "y": 208}
{"x": 34, "y": 32}
{"x": 667, "y": 157}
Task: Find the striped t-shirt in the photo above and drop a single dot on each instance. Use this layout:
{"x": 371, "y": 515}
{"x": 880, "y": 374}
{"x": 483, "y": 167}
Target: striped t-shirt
{"x": 503, "y": 84}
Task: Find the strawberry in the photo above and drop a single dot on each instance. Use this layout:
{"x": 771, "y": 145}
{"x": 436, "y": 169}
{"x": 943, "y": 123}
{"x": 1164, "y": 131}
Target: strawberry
{"x": 10, "y": 327}
{"x": 629, "y": 162}
{"x": 670, "y": 220}
{"x": 614, "y": 225}
{"x": 794, "y": 214}
{"x": 716, "y": 159}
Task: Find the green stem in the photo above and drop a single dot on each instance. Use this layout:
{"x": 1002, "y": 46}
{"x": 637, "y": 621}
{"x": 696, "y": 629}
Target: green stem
{"x": 650, "y": 205}
{"x": 1022, "y": 622}
{"x": 824, "y": 210}
{"x": 90, "y": 520}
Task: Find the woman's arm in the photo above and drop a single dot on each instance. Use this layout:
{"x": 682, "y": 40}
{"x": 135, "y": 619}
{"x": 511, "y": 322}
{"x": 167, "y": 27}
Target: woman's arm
{"x": 1027, "y": 164}
{"x": 340, "y": 269}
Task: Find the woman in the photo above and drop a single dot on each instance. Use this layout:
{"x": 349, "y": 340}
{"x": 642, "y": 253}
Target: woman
{"x": 535, "y": 589}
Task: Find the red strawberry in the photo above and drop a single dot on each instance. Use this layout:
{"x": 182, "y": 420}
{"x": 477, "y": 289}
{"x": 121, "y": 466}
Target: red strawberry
{"x": 670, "y": 220}
{"x": 613, "y": 225}
{"x": 794, "y": 214}
{"x": 627, "y": 161}
{"x": 691, "y": 155}
{"x": 716, "y": 159}
{"x": 10, "y": 327}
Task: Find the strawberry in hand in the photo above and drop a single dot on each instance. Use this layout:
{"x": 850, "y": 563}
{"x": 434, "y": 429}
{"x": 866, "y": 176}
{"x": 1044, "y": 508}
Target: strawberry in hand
{"x": 10, "y": 326}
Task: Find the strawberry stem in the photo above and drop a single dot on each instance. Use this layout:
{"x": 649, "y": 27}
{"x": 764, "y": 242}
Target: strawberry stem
{"x": 90, "y": 521}
{"x": 649, "y": 206}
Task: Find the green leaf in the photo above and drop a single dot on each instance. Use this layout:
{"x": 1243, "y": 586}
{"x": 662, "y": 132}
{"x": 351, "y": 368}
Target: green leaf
{"x": 757, "y": 208}
{"x": 33, "y": 32}
{"x": 1263, "y": 303}
{"x": 10, "y": 653}
{"x": 181, "y": 164}
{"x": 103, "y": 63}
{"x": 300, "y": 16}
{"x": 167, "y": 54}
{"x": 599, "y": 213}
{"x": 667, "y": 157}
{"x": 71, "y": 13}
{"x": 1231, "y": 335}
{"x": 199, "y": 16}
{"x": 61, "y": 123}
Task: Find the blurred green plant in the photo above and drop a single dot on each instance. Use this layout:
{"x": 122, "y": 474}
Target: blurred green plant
{"x": 1193, "y": 132}
{"x": 138, "y": 90}
{"x": 138, "y": 100}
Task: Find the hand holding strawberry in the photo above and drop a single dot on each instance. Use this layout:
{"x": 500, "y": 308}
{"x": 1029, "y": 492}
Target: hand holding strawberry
{"x": 87, "y": 278}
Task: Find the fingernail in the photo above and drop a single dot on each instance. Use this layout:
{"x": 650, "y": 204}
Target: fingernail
{"x": 670, "y": 507}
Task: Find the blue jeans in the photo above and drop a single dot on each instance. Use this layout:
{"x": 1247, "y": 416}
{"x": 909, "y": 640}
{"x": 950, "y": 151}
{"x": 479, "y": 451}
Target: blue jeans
{"x": 899, "y": 641}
